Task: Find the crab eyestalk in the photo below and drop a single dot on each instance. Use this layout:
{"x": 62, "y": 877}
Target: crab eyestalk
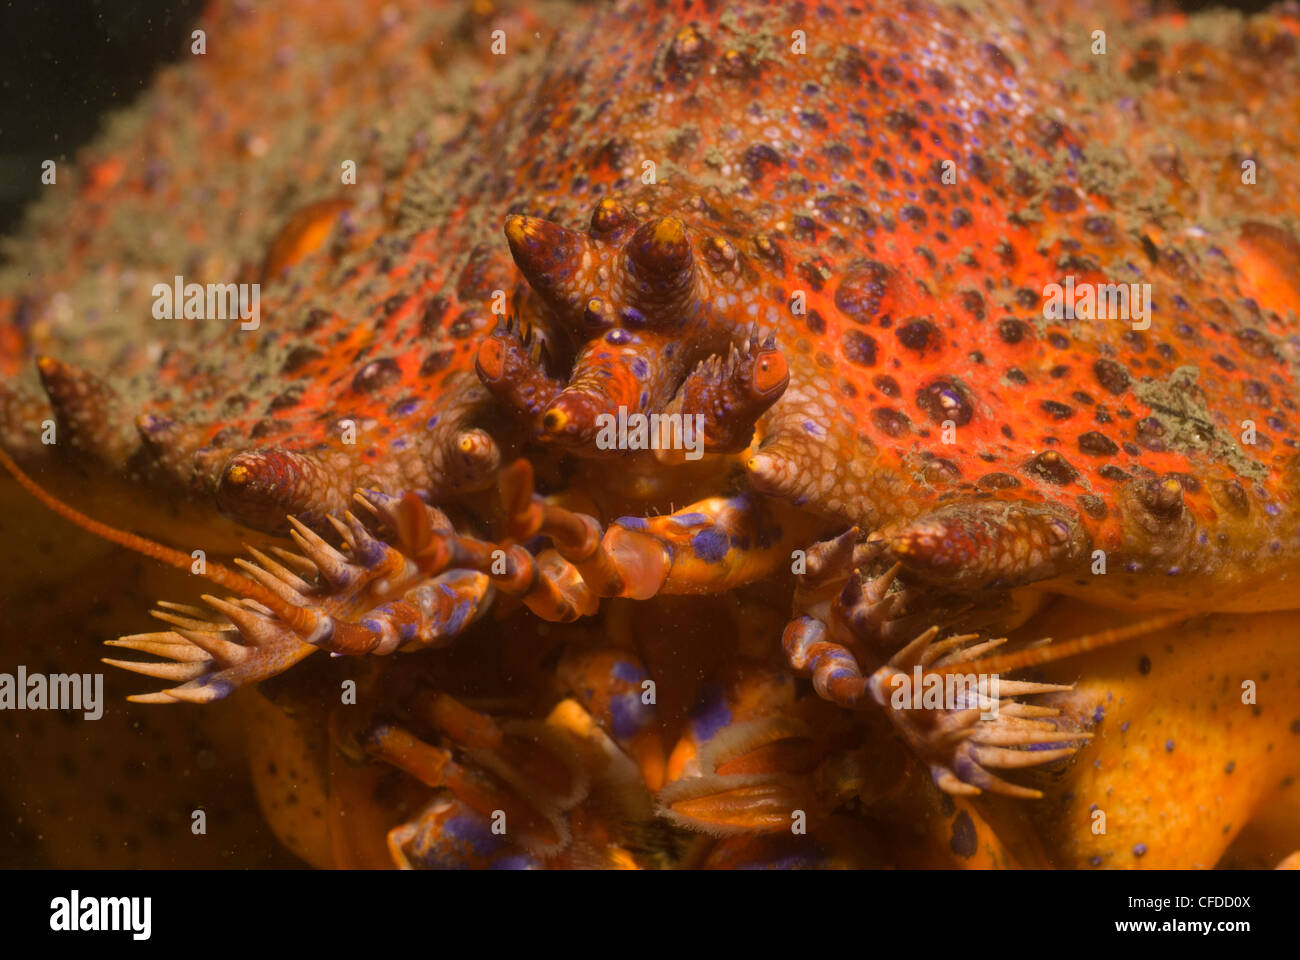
{"x": 511, "y": 366}
{"x": 728, "y": 396}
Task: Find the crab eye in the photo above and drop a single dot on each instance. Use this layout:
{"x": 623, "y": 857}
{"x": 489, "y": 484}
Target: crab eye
{"x": 770, "y": 372}
{"x": 491, "y": 359}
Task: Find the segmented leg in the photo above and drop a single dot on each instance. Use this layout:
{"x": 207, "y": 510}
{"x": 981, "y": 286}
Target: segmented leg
{"x": 239, "y": 640}
{"x": 960, "y": 732}
{"x": 707, "y": 547}
{"x": 518, "y": 789}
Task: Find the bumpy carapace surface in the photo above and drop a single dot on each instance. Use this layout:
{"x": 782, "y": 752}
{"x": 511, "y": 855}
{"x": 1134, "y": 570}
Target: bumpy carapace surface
{"x": 834, "y": 231}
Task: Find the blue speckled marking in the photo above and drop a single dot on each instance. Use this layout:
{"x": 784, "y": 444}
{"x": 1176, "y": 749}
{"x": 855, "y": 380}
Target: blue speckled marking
{"x": 473, "y": 831}
{"x": 793, "y": 861}
{"x": 710, "y": 545}
{"x": 627, "y": 715}
{"x": 459, "y": 613}
{"x": 516, "y": 861}
{"x": 369, "y": 552}
{"x": 633, "y": 523}
{"x": 628, "y": 672}
{"x": 711, "y": 714}
{"x": 223, "y": 686}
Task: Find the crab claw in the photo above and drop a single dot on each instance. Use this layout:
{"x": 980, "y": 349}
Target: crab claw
{"x": 368, "y": 597}
{"x": 959, "y": 725}
{"x": 206, "y": 653}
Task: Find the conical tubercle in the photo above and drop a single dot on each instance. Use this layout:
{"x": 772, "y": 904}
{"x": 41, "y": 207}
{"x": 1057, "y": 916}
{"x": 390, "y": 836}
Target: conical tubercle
{"x": 301, "y": 619}
{"x": 553, "y": 259}
{"x": 259, "y": 488}
{"x": 987, "y": 543}
{"x": 89, "y": 412}
{"x": 659, "y": 276}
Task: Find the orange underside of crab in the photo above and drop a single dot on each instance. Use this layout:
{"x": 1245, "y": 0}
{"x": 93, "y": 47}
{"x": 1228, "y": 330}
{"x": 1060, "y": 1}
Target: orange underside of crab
{"x": 838, "y": 247}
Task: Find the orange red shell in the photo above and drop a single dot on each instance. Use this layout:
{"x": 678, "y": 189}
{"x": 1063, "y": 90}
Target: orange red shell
{"x": 895, "y": 192}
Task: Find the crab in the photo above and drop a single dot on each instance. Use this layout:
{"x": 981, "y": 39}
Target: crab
{"x": 932, "y": 342}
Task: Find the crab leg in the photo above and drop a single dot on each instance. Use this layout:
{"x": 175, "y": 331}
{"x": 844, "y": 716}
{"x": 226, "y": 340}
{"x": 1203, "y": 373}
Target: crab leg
{"x": 707, "y": 547}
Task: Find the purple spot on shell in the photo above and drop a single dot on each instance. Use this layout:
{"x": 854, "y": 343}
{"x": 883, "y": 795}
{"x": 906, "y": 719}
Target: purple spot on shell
{"x": 433, "y": 422}
{"x": 1139, "y": 850}
{"x": 617, "y": 336}
{"x": 1123, "y": 727}
{"x": 1169, "y": 746}
{"x": 710, "y": 545}
{"x": 814, "y": 429}
{"x": 640, "y": 368}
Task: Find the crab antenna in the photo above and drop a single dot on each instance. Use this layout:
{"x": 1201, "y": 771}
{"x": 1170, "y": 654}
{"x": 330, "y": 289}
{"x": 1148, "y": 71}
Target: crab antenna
{"x": 297, "y": 618}
{"x": 1036, "y": 656}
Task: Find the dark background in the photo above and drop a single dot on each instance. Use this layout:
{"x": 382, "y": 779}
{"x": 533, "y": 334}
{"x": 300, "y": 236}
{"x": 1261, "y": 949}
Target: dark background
{"x": 63, "y": 63}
